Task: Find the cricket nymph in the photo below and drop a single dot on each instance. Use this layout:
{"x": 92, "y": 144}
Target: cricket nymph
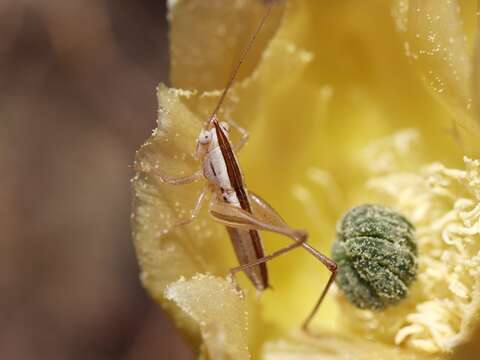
{"x": 243, "y": 213}
{"x": 376, "y": 252}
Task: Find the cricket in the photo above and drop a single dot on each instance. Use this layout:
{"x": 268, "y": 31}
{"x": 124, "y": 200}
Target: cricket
{"x": 241, "y": 211}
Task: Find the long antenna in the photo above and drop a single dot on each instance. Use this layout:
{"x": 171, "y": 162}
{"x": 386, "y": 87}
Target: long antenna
{"x": 242, "y": 59}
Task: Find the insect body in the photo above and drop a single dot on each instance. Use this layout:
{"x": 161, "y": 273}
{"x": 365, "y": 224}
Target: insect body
{"x": 376, "y": 253}
{"x": 242, "y": 212}
{"x": 222, "y": 170}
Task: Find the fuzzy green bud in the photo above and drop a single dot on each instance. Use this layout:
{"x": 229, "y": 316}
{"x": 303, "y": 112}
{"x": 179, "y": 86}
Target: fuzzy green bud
{"x": 375, "y": 251}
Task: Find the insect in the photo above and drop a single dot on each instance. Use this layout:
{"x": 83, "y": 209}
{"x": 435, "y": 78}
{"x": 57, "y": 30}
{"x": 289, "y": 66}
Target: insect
{"x": 375, "y": 250}
{"x": 243, "y": 212}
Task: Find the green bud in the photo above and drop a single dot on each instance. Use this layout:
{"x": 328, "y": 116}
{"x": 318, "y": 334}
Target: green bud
{"x": 375, "y": 251}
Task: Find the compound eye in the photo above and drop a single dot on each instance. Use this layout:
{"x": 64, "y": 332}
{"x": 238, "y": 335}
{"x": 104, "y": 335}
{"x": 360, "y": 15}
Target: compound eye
{"x": 225, "y": 126}
{"x": 204, "y": 137}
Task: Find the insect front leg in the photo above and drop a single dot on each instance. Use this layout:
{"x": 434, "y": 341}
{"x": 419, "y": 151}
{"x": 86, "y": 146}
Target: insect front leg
{"x": 179, "y": 180}
{"x": 139, "y": 167}
{"x": 243, "y": 132}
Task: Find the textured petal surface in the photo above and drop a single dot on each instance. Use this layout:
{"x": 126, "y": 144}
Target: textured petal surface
{"x": 331, "y": 100}
{"x": 219, "y": 311}
{"x": 335, "y": 347}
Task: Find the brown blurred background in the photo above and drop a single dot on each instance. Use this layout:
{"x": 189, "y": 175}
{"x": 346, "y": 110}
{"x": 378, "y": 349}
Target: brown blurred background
{"x": 77, "y": 98}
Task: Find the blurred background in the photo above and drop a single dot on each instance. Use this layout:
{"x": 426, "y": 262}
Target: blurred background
{"x": 77, "y": 98}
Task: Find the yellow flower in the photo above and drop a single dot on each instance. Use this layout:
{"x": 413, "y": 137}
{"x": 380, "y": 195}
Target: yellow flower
{"x": 346, "y": 102}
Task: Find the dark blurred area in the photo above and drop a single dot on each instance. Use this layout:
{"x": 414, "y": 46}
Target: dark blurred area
{"x": 77, "y": 98}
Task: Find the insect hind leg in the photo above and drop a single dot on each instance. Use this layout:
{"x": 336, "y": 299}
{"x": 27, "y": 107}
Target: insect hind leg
{"x": 262, "y": 208}
{"x": 329, "y": 264}
{"x": 266, "y": 218}
{"x": 332, "y": 267}
{"x": 266, "y": 258}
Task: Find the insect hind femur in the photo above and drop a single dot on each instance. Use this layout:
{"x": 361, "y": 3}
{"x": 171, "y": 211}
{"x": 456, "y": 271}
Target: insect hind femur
{"x": 375, "y": 251}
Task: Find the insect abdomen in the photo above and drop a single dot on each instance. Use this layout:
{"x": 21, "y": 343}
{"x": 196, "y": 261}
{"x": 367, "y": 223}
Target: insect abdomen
{"x": 375, "y": 252}
{"x": 248, "y": 248}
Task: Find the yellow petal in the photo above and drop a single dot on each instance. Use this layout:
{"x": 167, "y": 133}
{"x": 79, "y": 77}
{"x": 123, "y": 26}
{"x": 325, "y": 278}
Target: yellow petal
{"x": 436, "y": 42}
{"x": 208, "y": 37}
{"x": 331, "y": 80}
{"x": 218, "y": 310}
{"x": 476, "y": 70}
{"x": 328, "y": 346}
{"x": 165, "y": 257}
